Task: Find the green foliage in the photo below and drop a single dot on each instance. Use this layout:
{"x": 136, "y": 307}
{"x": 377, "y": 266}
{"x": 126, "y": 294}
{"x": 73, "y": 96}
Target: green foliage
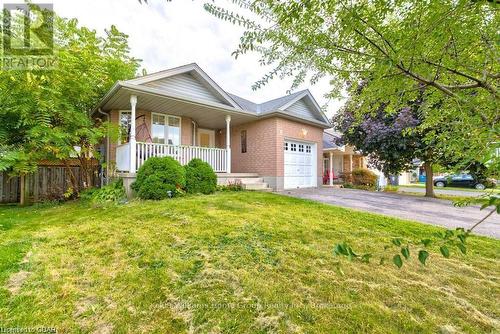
{"x": 391, "y": 188}
{"x": 111, "y": 193}
{"x": 397, "y": 261}
{"x": 489, "y": 199}
{"x": 364, "y": 177}
{"x": 159, "y": 178}
{"x": 422, "y": 256}
{"x": 360, "y": 178}
{"x": 447, "y": 47}
{"x": 403, "y": 247}
{"x": 45, "y": 113}
{"x": 231, "y": 186}
{"x": 200, "y": 177}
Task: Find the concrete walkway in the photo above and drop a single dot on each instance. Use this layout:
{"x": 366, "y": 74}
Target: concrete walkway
{"x": 425, "y": 210}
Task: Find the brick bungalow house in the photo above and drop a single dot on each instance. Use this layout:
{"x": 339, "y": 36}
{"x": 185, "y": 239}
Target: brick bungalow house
{"x": 183, "y": 113}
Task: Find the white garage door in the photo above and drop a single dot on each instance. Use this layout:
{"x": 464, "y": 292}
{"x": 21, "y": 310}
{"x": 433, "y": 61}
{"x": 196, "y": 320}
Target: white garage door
{"x": 300, "y": 164}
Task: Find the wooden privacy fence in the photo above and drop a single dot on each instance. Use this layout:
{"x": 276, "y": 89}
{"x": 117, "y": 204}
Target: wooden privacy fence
{"x": 46, "y": 184}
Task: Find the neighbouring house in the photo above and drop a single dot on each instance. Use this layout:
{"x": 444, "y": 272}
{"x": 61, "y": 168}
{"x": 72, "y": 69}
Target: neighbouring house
{"x": 339, "y": 159}
{"x": 183, "y": 113}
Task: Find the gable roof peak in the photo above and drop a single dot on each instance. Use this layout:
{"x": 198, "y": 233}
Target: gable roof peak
{"x": 191, "y": 68}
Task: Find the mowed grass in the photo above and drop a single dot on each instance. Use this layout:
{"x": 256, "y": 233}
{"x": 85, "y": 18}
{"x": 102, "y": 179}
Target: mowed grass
{"x": 232, "y": 263}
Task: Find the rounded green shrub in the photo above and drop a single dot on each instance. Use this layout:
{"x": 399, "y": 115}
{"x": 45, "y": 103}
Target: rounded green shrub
{"x": 200, "y": 177}
{"x": 159, "y": 177}
{"x": 364, "y": 177}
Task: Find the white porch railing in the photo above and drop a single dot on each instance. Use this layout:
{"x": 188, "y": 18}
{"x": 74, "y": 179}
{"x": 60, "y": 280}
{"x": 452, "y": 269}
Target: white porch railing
{"x": 215, "y": 157}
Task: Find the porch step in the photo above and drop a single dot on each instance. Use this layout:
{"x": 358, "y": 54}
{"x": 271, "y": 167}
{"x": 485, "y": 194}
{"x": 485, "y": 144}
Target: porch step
{"x": 256, "y": 186}
{"x": 249, "y": 181}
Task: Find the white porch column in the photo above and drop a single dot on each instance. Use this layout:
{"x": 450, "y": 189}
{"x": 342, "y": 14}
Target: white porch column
{"x": 132, "y": 142}
{"x": 350, "y": 161}
{"x": 331, "y": 169}
{"x": 228, "y": 143}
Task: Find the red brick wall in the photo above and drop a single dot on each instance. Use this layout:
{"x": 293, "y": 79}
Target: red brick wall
{"x": 265, "y": 140}
{"x": 294, "y": 130}
{"x": 186, "y": 131}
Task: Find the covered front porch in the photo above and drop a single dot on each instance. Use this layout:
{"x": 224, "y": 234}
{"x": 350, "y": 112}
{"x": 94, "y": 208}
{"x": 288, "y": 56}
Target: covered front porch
{"x": 218, "y": 158}
{"x": 169, "y": 126}
{"x": 339, "y": 161}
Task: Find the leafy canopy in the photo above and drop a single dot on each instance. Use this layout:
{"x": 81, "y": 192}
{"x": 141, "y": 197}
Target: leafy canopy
{"x": 46, "y": 113}
{"x": 449, "y": 47}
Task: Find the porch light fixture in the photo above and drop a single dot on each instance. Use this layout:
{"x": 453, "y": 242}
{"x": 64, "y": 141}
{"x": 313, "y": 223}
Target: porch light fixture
{"x": 304, "y": 133}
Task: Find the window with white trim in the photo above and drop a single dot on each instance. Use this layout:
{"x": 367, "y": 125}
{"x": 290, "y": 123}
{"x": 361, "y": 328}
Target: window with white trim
{"x": 166, "y": 129}
{"x": 125, "y": 118}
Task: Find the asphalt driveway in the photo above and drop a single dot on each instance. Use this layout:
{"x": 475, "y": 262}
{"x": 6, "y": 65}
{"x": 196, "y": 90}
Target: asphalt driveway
{"x": 426, "y": 210}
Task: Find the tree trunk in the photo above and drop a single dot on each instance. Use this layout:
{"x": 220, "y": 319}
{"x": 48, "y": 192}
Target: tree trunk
{"x": 72, "y": 177}
{"x": 22, "y": 190}
{"x": 429, "y": 182}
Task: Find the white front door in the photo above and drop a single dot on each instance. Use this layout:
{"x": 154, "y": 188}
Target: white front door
{"x": 300, "y": 164}
{"x": 206, "y": 138}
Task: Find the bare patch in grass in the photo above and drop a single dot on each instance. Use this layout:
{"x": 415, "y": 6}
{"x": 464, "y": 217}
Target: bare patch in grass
{"x": 103, "y": 328}
{"x": 16, "y": 281}
{"x": 84, "y": 305}
{"x": 269, "y": 323}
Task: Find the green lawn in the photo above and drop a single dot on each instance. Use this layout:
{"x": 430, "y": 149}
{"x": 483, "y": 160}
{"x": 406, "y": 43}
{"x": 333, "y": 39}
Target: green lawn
{"x": 232, "y": 263}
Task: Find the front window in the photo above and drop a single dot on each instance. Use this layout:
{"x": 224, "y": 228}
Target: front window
{"x": 174, "y": 130}
{"x": 166, "y": 129}
{"x": 158, "y": 129}
{"x": 125, "y": 120}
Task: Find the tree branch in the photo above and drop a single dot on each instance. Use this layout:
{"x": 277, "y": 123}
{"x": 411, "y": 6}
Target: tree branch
{"x": 480, "y": 83}
{"x": 482, "y": 220}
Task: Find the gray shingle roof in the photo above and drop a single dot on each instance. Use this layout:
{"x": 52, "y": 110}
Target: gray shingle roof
{"x": 244, "y": 103}
{"x": 282, "y": 105}
{"x": 329, "y": 140}
{"x": 279, "y": 102}
{"x": 267, "y": 106}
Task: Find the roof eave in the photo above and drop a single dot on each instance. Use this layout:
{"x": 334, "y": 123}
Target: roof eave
{"x": 160, "y": 93}
{"x": 320, "y": 124}
{"x": 106, "y": 97}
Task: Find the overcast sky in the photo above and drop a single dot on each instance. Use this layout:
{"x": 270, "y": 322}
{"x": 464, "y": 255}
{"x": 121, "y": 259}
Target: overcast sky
{"x": 168, "y": 34}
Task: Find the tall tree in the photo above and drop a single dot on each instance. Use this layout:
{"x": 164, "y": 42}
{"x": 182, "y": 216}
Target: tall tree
{"x": 45, "y": 114}
{"x": 447, "y": 46}
{"x": 393, "y": 140}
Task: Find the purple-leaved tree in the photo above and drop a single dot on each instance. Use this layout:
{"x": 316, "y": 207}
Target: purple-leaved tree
{"x": 391, "y": 140}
